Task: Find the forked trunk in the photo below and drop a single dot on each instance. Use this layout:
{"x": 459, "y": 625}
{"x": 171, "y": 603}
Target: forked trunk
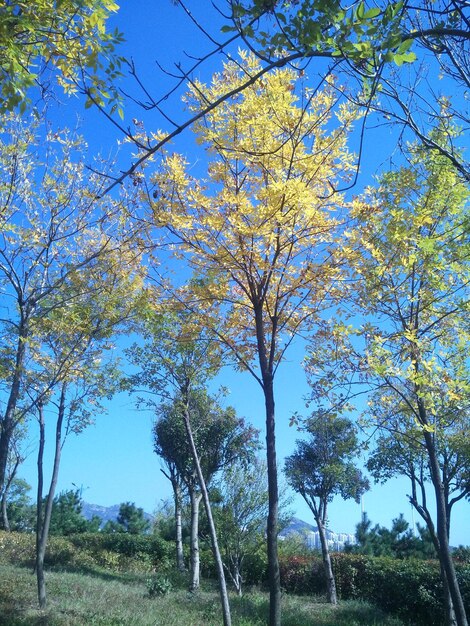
{"x": 43, "y": 522}
{"x": 445, "y": 557}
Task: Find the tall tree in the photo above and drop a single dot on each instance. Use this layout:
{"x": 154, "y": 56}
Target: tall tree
{"x": 73, "y": 372}
{"x": 53, "y": 232}
{"x": 260, "y": 228}
{"x": 412, "y": 290}
{"x": 176, "y": 361}
{"x": 322, "y": 467}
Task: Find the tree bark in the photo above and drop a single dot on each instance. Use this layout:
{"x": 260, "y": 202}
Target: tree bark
{"x": 6, "y": 490}
{"x": 267, "y": 376}
{"x": 179, "y": 529}
{"x": 274, "y": 576}
{"x": 215, "y": 546}
{"x": 5, "y": 520}
{"x": 43, "y": 522}
{"x": 8, "y": 421}
{"x": 329, "y": 576}
{"x": 445, "y": 557}
{"x": 195, "y": 499}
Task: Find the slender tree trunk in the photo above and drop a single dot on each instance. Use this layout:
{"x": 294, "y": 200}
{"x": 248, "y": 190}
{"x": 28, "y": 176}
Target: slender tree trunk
{"x": 325, "y": 552}
{"x": 8, "y": 421}
{"x": 266, "y": 368}
{"x": 6, "y": 490}
{"x": 449, "y": 607}
{"x": 195, "y": 499}
{"x": 445, "y": 557}
{"x": 179, "y": 529}
{"x": 215, "y": 546}
{"x": 5, "y": 520}
{"x": 43, "y": 522}
{"x": 274, "y": 576}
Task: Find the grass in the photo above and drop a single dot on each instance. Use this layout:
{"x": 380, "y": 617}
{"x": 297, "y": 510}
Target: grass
{"x": 77, "y": 599}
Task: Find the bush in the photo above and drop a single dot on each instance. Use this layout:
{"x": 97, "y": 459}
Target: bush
{"x": 158, "y": 585}
{"x": 118, "y": 552}
{"x": 410, "y": 588}
{"x": 17, "y": 548}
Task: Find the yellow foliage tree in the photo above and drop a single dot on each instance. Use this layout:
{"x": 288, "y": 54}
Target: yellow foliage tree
{"x": 260, "y": 229}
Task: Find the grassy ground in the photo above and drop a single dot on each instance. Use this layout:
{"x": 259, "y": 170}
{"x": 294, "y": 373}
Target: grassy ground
{"x": 103, "y": 599}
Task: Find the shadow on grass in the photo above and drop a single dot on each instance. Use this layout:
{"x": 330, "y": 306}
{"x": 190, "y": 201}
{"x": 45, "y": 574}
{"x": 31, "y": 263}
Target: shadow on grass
{"x": 97, "y": 572}
{"x": 253, "y": 609}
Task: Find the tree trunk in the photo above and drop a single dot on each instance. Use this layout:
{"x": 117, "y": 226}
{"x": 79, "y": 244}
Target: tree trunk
{"x": 43, "y": 522}
{"x": 195, "y": 499}
{"x": 179, "y": 529}
{"x": 5, "y": 521}
{"x": 215, "y": 546}
{"x": 274, "y": 576}
{"x": 445, "y": 557}
{"x": 267, "y": 375}
{"x": 11, "y": 478}
{"x": 329, "y": 576}
{"x": 8, "y": 421}
{"x": 449, "y": 607}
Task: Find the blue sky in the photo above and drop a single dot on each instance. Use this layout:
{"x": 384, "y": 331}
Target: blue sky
{"x": 113, "y": 461}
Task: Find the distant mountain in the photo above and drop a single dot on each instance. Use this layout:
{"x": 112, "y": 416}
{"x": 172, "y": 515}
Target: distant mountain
{"x": 105, "y": 513}
{"x": 311, "y": 535}
{"x": 295, "y": 526}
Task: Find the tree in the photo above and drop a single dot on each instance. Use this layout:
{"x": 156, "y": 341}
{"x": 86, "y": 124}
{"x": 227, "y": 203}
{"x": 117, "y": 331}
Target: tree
{"x": 67, "y": 518}
{"x": 15, "y": 458}
{"x": 320, "y": 468}
{"x": 176, "y": 359}
{"x": 66, "y": 39}
{"x": 416, "y": 348}
{"x": 47, "y": 252}
{"x": 387, "y": 55}
{"x": 130, "y": 519}
{"x": 219, "y": 438}
{"x": 240, "y": 515}
{"x": 398, "y": 542}
{"x": 179, "y": 488}
{"x": 73, "y": 375}
{"x": 401, "y": 452}
{"x": 20, "y": 511}
{"x": 412, "y": 279}
{"x": 260, "y": 229}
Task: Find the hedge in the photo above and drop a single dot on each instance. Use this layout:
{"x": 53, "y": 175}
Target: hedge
{"x": 409, "y": 588}
{"x": 116, "y": 551}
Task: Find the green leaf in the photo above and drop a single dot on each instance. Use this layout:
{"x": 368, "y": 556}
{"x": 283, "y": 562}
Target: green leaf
{"x": 371, "y": 13}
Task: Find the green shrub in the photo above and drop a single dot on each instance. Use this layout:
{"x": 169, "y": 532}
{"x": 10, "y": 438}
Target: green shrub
{"x": 59, "y": 551}
{"x": 17, "y": 548}
{"x": 409, "y": 588}
{"x": 117, "y": 552}
{"x": 158, "y": 585}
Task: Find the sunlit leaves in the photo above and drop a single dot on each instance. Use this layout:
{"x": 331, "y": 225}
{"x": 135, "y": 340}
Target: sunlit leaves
{"x": 67, "y": 38}
{"x": 263, "y": 218}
